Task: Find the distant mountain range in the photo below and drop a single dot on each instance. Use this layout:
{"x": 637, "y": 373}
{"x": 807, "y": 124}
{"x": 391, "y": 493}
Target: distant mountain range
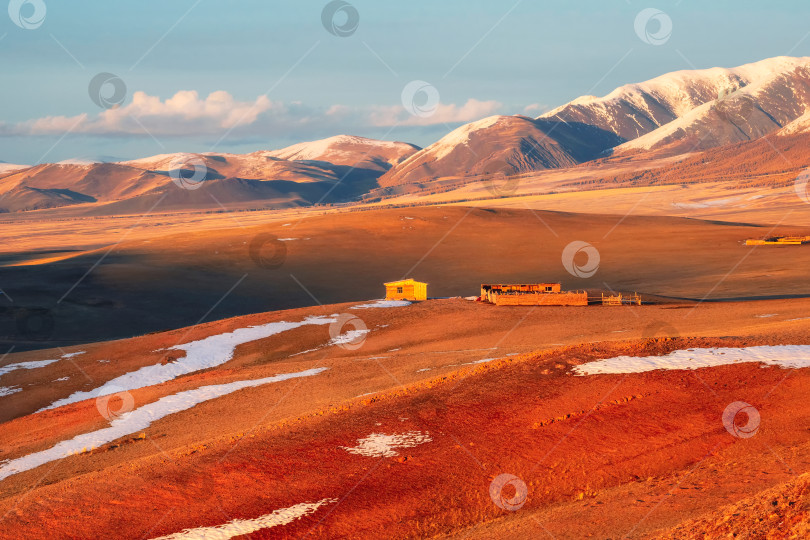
{"x": 683, "y": 112}
{"x": 331, "y": 170}
{"x": 679, "y": 112}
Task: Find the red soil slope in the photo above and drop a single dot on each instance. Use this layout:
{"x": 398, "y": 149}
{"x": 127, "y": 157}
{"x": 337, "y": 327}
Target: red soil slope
{"x": 606, "y": 455}
{"x": 780, "y": 512}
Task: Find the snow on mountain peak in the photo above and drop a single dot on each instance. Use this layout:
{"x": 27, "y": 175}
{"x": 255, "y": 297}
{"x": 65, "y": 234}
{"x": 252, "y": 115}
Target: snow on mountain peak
{"x": 159, "y": 160}
{"x": 765, "y": 97}
{"x": 799, "y": 125}
{"x": 339, "y": 146}
{"x": 682, "y": 91}
{"x": 461, "y": 135}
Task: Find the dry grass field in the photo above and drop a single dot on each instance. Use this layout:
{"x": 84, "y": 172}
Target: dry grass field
{"x": 158, "y": 283}
{"x": 406, "y": 427}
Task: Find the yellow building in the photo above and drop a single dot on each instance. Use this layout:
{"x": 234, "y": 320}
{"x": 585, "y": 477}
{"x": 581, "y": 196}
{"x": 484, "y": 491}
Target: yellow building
{"x": 406, "y": 289}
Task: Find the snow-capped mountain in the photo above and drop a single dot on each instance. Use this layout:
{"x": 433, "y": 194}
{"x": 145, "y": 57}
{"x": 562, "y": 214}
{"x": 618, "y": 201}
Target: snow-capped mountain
{"x": 265, "y": 177}
{"x": 341, "y": 151}
{"x": 676, "y": 113}
{"x": 348, "y": 150}
{"x": 767, "y": 97}
{"x": 633, "y": 110}
{"x": 506, "y": 144}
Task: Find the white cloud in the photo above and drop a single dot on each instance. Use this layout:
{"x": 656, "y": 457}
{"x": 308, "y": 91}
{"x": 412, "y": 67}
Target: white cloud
{"x": 535, "y": 109}
{"x": 187, "y": 114}
{"x": 449, "y": 114}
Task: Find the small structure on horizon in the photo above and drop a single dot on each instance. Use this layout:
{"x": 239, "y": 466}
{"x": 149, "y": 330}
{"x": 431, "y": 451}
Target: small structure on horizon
{"x": 619, "y": 299}
{"x": 532, "y": 294}
{"x": 779, "y": 241}
{"x": 406, "y": 289}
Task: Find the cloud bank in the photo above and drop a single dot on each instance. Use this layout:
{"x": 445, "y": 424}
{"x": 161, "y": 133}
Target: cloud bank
{"x": 219, "y": 114}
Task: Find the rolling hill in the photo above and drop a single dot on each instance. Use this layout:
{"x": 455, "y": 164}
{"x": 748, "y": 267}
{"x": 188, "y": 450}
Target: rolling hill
{"x": 505, "y": 145}
{"x": 299, "y": 175}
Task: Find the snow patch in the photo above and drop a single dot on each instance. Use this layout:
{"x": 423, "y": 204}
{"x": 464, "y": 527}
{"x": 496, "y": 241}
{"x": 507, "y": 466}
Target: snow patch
{"x": 206, "y": 353}
{"x": 799, "y": 125}
{"x": 35, "y": 363}
{"x": 161, "y": 160}
{"x": 352, "y": 337}
{"x": 334, "y": 148}
{"x": 8, "y": 390}
{"x": 26, "y": 365}
{"x": 784, "y": 356}
{"x": 140, "y": 419}
{"x": 304, "y": 352}
{"x": 383, "y": 304}
{"x": 239, "y": 527}
{"x": 79, "y": 161}
{"x": 482, "y": 361}
{"x": 382, "y": 445}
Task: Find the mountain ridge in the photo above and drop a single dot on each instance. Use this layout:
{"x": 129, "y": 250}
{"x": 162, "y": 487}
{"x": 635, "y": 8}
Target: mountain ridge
{"x": 677, "y": 113}
{"x": 260, "y": 176}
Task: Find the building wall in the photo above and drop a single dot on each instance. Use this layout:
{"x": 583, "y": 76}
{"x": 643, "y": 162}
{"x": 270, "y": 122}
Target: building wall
{"x": 489, "y": 289}
{"x": 541, "y": 299}
{"x": 410, "y": 291}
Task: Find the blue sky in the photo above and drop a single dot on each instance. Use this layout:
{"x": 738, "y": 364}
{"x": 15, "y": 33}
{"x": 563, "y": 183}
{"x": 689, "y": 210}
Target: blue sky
{"x": 280, "y": 77}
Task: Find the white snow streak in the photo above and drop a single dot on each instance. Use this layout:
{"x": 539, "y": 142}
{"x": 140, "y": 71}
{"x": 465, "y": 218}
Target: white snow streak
{"x": 8, "y": 390}
{"x": 206, "y": 353}
{"x": 382, "y": 304}
{"x": 35, "y": 364}
{"x": 138, "y": 420}
{"x": 239, "y": 527}
{"x": 784, "y": 356}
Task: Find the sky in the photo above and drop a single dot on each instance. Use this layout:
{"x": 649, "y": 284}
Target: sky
{"x": 93, "y": 79}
